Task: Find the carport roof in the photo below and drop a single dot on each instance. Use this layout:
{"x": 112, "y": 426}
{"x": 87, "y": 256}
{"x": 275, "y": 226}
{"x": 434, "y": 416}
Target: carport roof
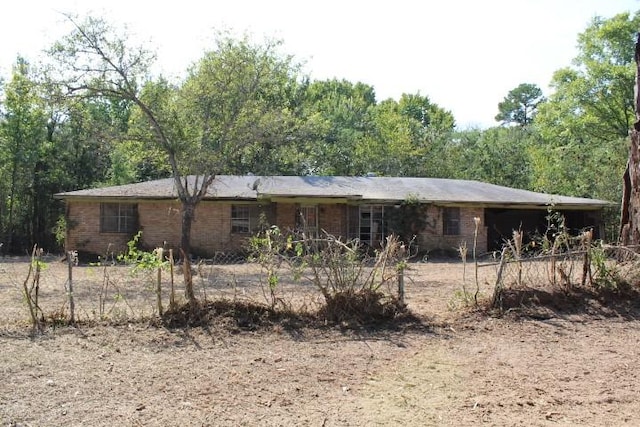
{"x": 369, "y": 188}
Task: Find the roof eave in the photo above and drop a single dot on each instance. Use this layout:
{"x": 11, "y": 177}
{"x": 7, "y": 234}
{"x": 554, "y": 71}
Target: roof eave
{"x": 521, "y": 205}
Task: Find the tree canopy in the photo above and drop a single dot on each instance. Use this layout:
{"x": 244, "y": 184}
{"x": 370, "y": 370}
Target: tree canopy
{"x": 520, "y": 105}
{"x": 594, "y": 97}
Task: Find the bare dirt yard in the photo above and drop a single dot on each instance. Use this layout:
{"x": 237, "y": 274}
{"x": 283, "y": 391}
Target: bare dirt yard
{"x": 576, "y": 363}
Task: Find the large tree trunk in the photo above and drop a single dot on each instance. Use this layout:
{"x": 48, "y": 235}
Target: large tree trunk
{"x": 188, "y": 213}
{"x": 630, "y": 209}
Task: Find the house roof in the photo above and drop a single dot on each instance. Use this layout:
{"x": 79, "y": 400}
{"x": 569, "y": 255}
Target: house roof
{"x": 374, "y": 189}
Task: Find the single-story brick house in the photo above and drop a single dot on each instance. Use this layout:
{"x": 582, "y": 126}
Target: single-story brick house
{"x": 350, "y": 207}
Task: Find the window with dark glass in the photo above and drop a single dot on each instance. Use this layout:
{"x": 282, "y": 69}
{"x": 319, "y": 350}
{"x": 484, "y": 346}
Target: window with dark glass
{"x": 451, "y": 221}
{"x": 240, "y": 219}
{"x": 118, "y": 217}
{"x": 308, "y": 218}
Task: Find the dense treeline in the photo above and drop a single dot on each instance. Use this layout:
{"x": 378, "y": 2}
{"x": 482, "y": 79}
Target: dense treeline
{"x": 56, "y": 137}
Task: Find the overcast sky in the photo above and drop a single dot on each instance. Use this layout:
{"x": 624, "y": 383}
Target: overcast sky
{"x": 465, "y": 55}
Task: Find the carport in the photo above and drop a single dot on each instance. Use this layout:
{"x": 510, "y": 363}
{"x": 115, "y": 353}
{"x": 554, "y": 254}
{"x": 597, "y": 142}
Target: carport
{"x": 501, "y": 222}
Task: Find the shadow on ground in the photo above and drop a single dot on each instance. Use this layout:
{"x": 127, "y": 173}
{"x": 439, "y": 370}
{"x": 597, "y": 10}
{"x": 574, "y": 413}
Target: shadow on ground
{"x": 240, "y": 316}
{"x": 622, "y": 302}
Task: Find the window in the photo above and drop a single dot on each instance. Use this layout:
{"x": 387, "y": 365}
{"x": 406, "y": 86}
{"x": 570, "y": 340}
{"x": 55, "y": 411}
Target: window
{"x": 451, "y": 221}
{"x": 371, "y": 224}
{"x": 118, "y": 217}
{"x": 240, "y": 219}
{"x": 308, "y": 219}
{"x": 251, "y": 218}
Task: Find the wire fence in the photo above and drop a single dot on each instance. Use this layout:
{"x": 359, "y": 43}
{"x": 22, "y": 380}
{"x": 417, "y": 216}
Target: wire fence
{"x": 142, "y": 285}
{"x": 590, "y": 268}
{"x": 116, "y": 292}
{"x": 562, "y": 271}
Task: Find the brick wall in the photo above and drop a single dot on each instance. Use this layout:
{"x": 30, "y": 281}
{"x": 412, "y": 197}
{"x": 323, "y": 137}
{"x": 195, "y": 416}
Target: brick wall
{"x": 160, "y": 223}
{"x": 286, "y": 216}
{"x": 333, "y": 219}
{"x": 83, "y": 231}
{"x": 433, "y": 238}
{"x": 210, "y": 231}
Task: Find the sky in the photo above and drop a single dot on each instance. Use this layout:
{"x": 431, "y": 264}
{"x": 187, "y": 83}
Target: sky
{"x": 465, "y": 55}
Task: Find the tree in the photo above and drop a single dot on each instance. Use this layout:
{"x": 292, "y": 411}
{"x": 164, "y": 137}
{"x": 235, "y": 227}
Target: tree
{"x": 431, "y": 127}
{"x": 388, "y": 145}
{"x": 520, "y": 104}
{"x": 578, "y": 167}
{"x": 338, "y": 112}
{"x": 594, "y": 99}
{"x": 589, "y": 113}
{"x": 47, "y": 147}
{"x": 231, "y": 100}
{"x": 427, "y": 114}
{"x": 242, "y": 104}
{"x": 23, "y": 161}
{"x": 86, "y": 132}
{"x": 630, "y": 207}
{"x": 497, "y": 155}
{"x": 405, "y": 138}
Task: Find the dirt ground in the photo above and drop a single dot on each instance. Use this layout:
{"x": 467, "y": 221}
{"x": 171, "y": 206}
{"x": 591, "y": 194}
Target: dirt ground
{"x": 455, "y": 366}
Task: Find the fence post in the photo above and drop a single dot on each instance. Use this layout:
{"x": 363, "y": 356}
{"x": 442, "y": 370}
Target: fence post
{"x": 401, "y": 284}
{"x": 586, "y": 266}
{"x": 517, "y": 242}
{"x": 27, "y": 293}
{"x": 159, "y": 254}
{"x": 72, "y": 257}
{"x": 172, "y": 296}
{"x": 497, "y": 291}
{"x": 553, "y": 264}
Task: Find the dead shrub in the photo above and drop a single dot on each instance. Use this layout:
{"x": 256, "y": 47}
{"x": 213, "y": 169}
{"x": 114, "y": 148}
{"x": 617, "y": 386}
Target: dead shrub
{"x": 361, "y": 306}
{"x": 233, "y": 314}
{"x": 356, "y": 282}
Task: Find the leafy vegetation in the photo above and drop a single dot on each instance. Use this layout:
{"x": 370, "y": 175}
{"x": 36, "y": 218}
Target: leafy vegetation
{"x": 520, "y": 105}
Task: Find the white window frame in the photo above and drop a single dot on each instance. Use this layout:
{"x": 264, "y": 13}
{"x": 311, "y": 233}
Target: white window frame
{"x": 118, "y": 217}
{"x": 374, "y": 224}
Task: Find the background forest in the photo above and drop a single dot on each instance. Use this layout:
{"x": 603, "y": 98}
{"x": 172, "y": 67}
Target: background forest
{"x": 245, "y": 107}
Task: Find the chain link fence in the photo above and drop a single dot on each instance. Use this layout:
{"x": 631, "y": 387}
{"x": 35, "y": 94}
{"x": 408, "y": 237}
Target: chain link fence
{"x": 56, "y": 289}
{"x": 593, "y": 267}
{"x": 117, "y": 292}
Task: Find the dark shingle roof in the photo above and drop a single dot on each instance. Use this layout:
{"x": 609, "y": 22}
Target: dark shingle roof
{"x": 379, "y": 189}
